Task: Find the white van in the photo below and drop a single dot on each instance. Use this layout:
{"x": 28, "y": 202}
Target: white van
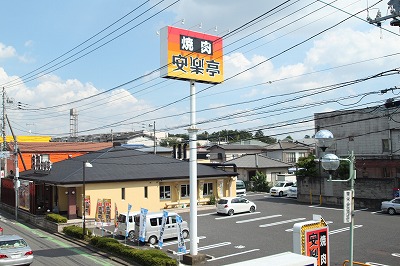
{"x": 240, "y": 188}
{"x": 281, "y": 188}
{"x": 122, "y": 223}
{"x": 153, "y": 226}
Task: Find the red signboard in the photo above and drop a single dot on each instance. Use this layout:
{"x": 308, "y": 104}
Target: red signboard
{"x": 317, "y": 245}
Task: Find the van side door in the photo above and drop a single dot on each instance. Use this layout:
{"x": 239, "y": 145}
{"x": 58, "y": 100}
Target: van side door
{"x": 170, "y": 227}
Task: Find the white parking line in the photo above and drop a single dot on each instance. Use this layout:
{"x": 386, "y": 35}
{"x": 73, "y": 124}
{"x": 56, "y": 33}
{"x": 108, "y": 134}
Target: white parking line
{"x": 327, "y": 208}
{"x": 214, "y": 246}
{"x": 235, "y": 254}
{"x": 396, "y": 255}
{"x": 252, "y": 195}
{"x": 375, "y": 264}
{"x": 344, "y": 229}
{"x": 291, "y": 229}
{"x": 259, "y": 218}
{"x": 236, "y": 215}
{"x": 282, "y": 222}
{"x": 176, "y": 241}
{"x": 205, "y": 214}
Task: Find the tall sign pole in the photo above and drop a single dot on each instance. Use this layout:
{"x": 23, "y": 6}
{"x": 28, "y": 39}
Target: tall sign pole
{"x": 194, "y": 57}
{"x": 3, "y": 133}
{"x": 193, "y": 171}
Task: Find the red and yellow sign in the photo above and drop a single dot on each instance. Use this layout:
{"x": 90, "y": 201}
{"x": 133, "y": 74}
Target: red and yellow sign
{"x": 190, "y": 55}
{"x": 316, "y": 241}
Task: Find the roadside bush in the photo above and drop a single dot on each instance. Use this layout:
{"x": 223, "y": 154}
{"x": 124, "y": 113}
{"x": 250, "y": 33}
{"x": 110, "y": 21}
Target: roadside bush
{"x": 54, "y": 217}
{"x": 212, "y": 200}
{"x": 144, "y": 257}
{"x": 73, "y": 231}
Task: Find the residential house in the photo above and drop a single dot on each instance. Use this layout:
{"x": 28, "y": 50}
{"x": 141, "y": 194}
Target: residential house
{"x": 223, "y": 153}
{"x": 119, "y": 176}
{"x": 50, "y": 152}
{"x": 247, "y": 166}
{"x": 289, "y": 151}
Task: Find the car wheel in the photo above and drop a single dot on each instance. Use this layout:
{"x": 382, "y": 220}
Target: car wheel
{"x": 391, "y": 211}
{"x": 131, "y": 234}
{"x": 231, "y": 212}
{"x": 252, "y": 209}
{"x": 152, "y": 240}
{"x": 185, "y": 234}
{"x": 280, "y": 193}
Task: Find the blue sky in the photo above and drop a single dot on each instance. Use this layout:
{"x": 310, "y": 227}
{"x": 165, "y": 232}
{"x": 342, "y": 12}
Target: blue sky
{"x": 293, "y": 46}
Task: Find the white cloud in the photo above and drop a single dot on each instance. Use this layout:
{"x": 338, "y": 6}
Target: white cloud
{"x": 7, "y": 51}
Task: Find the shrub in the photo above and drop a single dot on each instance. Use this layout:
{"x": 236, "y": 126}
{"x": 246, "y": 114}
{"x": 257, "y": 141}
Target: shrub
{"x": 212, "y": 200}
{"x": 54, "y": 217}
{"x": 144, "y": 257}
{"x": 73, "y": 231}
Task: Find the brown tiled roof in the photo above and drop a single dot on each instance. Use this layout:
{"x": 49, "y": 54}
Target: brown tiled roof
{"x": 61, "y": 146}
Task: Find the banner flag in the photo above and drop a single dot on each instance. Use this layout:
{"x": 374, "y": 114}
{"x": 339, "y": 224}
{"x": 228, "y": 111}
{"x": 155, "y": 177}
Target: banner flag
{"x": 162, "y": 228}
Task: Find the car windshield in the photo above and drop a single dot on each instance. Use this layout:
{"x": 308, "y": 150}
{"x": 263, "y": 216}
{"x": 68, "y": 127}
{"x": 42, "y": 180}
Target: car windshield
{"x": 16, "y": 243}
{"x": 294, "y": 185}
{"x": 280, "y": 184}
{"x": 223, "y": 201}
{"x": 122, "y": 218}
{"x": 240, "y": 185}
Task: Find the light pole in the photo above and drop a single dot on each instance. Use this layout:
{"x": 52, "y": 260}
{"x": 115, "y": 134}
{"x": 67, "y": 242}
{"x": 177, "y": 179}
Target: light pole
{"x": 85, "y": 164}
{"x": 331, "y": 162}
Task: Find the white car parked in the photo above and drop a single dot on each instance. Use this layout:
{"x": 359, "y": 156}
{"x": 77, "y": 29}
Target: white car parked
{"x": 281, "y": 188}
{"x": 234, "y": 205}
{"x": 292, "y": 193}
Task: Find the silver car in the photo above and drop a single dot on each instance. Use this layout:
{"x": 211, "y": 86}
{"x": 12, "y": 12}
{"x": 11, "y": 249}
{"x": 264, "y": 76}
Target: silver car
{"x": 14, "y": 251}
{"x": 234, "y": 205}
{"x": 391, "y": 206}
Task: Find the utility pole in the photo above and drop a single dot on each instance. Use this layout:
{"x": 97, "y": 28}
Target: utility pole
{"x": 3, "y": 134}
{"x": 155, "y": 141}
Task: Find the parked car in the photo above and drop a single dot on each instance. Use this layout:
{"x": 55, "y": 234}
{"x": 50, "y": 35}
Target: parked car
{"x": 14, "y": 251}
{"x": 123, "y": 222}
{"x": 281, "y": 188}
{"x": 153, "y": 227}
{"x": 234, "y": 205}
{"x": 240, "y": 188}
{"x": 391, "y": 206}
{"x": 292, "y": 193}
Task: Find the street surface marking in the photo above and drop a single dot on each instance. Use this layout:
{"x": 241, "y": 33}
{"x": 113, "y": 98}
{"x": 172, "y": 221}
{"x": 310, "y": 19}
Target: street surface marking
{"x": 251, "y": 195}
{"x": 169, "y": 243}
{"x": 291, "y": 229}
{"x": 203, "y": 248}
{"x": 205, "y": 214}
{"x": 282, "y": 222}
{"x": 376, "y": 264}
{"x": 259, "y": 218}
{"x": 396, "y": 255}
{"x": 344, "y": 229}
{"x": 327, "y": 208}
{"x": 236, "y": 215}
{"x": 235, "y": 254}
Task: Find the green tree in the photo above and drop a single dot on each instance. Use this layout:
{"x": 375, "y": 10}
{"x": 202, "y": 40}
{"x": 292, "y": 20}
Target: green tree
{"x": 169, "y": 142}
{"x": 261, "y": 137}
{"x": 260, "y": 182}
{"x": 307, "y": 167}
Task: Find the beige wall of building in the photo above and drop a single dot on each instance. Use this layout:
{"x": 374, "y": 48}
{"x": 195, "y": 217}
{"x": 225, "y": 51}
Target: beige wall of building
{"x": 147, "y": 194}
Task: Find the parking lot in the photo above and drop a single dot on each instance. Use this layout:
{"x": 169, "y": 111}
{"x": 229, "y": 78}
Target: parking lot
{"x": 268, "y": 231}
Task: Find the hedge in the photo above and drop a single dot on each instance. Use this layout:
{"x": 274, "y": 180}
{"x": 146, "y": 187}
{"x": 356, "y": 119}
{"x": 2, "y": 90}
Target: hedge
{"x": 144, "y": 257}
{"x": 54, "y": 217}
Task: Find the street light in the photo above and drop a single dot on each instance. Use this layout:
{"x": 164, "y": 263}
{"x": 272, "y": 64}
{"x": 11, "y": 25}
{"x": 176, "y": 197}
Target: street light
{"x": 85, "y": 164}
{"x": 331, "y": 162}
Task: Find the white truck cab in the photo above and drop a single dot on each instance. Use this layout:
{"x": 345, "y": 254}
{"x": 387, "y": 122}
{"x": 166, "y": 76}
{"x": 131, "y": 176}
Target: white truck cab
{"x": 281, "y": 188}
{"x": 240, "y": 188}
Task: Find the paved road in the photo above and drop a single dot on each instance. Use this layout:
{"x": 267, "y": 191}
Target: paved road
{"x": 49, "y": 249}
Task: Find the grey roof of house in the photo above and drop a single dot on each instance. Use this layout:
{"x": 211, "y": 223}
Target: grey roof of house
{"x": 238, "y": 147}
{"x": 283, "y": 145}
{"x": 258, "y": 160}
{"x": 120, "y": 164}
